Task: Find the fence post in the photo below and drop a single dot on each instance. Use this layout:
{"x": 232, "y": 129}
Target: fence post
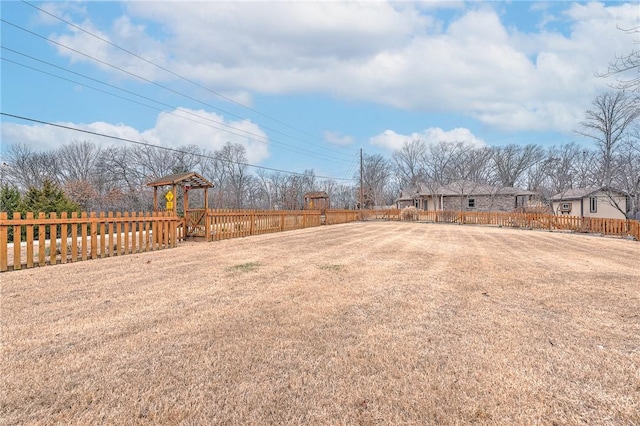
{"x": 29, "y": 236}
{"x": 83, "y": 233}
{"x": 17, "y": 242}
{"x": 103, "y": 237}
{"x": 94, "y": 235}
{"x": 126, "y": 225}
{"x": 63, "y": 238}
{"x": 74, "y": 236}
{"x": 53, "y": 240}
{"x": 42, "y": 233}
{"x": 3, "y": 242}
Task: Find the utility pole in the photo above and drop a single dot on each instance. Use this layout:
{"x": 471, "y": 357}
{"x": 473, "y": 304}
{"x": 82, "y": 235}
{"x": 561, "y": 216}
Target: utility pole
{"x": 361, "y": 180}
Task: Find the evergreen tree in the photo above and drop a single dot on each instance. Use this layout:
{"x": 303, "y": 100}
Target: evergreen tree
{"x": 9, "y": 202}
{"x": 47, "y": 200}
{"x": 9, "y": 199}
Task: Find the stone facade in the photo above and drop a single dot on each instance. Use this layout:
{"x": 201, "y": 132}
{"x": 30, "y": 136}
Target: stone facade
{"x": 480, "y": 203}
{"x": 468, "y": 196}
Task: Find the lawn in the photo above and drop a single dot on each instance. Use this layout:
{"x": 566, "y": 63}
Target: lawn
{"x": 363, "y": 323}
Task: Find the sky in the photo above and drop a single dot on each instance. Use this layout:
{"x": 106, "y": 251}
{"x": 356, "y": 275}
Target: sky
{"x": 308, "y": 84}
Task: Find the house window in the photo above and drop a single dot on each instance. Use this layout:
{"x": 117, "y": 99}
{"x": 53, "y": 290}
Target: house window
{"x": 593, "y": 204}
{"x": 566, "y": 207}
{"x": 471, "y": 203}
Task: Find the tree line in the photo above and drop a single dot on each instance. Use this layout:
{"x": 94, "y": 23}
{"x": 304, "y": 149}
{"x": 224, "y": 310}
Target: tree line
{"x": 111, "y": 178}
{"x": 98, "y": 178}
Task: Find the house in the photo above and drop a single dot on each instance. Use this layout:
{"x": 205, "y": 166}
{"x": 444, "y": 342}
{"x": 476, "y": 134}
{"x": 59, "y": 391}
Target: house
{"x": 406, "y": 198}
{"x": 590, "y": 202}
{"x": 465, "y": 195}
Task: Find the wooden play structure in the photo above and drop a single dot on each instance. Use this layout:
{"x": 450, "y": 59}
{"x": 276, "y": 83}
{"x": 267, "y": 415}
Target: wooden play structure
{"x": 194, "y": 218}
{"x": 318, "y": 200}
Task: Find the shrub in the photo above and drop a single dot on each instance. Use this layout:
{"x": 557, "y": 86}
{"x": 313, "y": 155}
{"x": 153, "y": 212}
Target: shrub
{"x": 409, "y": 213}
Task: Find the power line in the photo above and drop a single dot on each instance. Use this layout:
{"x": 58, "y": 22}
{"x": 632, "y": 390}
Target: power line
{"x": 249, "y": 135}
{"x": 168, "y": 70}
{"x": 149, "y": 145}
{"x": 142, "y": 78}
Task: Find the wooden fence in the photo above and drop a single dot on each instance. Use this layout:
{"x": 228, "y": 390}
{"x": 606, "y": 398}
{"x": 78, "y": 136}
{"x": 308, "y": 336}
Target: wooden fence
{"x": 334, "y": 217}
{"x": 604, "y": 226}
{"x": 225, "y": 224}
{"x": 39, "y": 240}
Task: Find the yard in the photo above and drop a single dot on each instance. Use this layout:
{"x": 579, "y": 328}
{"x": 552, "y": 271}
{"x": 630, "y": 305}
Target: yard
{"x": 363, "y": 323}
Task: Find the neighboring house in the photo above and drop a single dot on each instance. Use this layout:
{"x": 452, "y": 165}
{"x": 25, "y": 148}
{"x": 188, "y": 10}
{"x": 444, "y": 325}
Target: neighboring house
{"x": 468, "y": 196}
{"x": 590, "y": 202}
{"x": 406, "y": 198}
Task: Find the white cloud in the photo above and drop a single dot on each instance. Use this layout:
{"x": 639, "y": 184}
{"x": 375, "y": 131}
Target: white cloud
{"x": 209, "y": 132}
{"x": 336, "y": 138}
{"x": 405, "y": 55}
{"x": 394, "y": 141}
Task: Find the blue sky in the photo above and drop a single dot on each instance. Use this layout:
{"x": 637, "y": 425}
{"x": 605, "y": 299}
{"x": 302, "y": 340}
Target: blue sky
{"x": 307, "y": 84}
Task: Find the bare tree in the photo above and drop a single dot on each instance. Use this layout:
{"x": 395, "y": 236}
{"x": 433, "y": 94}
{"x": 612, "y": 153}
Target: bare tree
{"x": 408, "y": 162}
{"x": 440, "y": 160}
{"x": 264, "y": 180}
{"x": 584, "y": 168}
{"x": 26, "y": 167}
{"x": 560, "y": 168}
{"x": 232, "y": 163}
{"x": 78, "y": 161}
{"x": 606, "y": 124}
{"x": 512, "y": 161}
{"x": 376, "y": 175}
{"x": 624, "y": 66}
{"x": 472, "y": 164}
{"x": 628, "y": 178}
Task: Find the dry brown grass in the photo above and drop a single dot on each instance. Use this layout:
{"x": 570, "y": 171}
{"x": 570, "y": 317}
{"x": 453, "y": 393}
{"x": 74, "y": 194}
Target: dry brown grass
{"x": 365, "y": 323}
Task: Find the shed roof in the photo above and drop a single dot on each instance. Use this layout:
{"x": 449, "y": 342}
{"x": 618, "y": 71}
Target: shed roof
{"x": 316, "y": 194}
{"x": 191, "y": 179}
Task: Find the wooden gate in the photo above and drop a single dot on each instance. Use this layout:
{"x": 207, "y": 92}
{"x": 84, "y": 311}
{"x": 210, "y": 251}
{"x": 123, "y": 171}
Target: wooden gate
{"x": 195, "y": 220}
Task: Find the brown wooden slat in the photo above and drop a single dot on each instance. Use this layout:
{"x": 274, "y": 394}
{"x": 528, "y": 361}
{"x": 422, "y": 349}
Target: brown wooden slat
{"x": 29, "y": 237}
{"x": 41, "y": 241}
{"x": 63, "y": 239}
{"x": 53, "y": 241}
{"x": 17, "y": 243}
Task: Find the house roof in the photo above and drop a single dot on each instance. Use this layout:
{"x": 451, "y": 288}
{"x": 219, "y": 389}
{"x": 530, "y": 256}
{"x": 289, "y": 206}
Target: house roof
{"x": 465, "y": 187}
{"x": 191, "y": 179}
{"x": 578, "y": 193}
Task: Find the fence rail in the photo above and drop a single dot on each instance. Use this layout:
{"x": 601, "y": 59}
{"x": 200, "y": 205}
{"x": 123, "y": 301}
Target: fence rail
{"x": 39, "y": 240}
{"x": 225, "y": 224}
{"x": 604, "y": 226}
{"x": 335, "y": 217}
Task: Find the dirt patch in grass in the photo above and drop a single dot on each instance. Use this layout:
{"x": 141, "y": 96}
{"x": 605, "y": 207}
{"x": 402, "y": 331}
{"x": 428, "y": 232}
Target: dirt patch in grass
{"x": 365, "y": 323}
{"x": 245, "y": 267}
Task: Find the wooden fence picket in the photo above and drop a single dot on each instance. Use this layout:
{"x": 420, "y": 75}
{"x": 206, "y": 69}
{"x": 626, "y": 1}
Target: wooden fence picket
{"x": 17, "y": 243}
{"x": 63, "y": 238}
{"x": 91, "y": 236}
